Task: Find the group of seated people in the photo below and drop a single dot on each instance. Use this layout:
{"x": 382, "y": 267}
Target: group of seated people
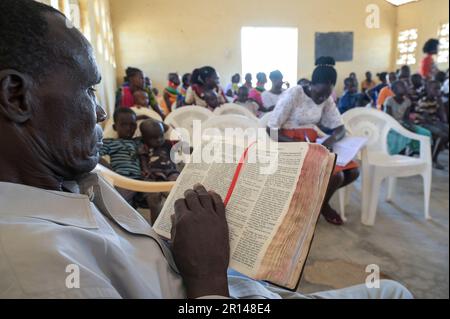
{"x": 417, "y": 103}
{"x": 202, "y": 88}
{"x": 58, "y": 216}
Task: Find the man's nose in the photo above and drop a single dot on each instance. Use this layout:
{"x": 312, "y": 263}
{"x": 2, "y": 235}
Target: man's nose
{"x": 101, "y": 114}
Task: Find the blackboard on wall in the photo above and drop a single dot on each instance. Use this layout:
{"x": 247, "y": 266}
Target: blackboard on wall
{"x": 338, "y": 45}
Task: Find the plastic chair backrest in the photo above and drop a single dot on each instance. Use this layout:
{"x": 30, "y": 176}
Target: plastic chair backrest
{"x": 184, "y": 117}
{"x": 372, "y": 124}
{"x": 217, "y": 125}
{"x": 232, "y": 108}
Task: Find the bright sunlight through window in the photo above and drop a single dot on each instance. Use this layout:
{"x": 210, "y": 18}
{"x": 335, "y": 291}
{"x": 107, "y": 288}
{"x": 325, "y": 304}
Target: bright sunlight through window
{"x": 268, "y": 49}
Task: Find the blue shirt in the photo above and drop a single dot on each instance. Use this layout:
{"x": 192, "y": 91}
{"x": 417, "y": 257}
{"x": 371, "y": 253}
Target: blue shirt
{"x": 349, "y": 101}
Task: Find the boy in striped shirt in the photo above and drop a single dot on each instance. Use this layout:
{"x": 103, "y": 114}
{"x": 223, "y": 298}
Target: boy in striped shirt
{"x": 124, "y": 157}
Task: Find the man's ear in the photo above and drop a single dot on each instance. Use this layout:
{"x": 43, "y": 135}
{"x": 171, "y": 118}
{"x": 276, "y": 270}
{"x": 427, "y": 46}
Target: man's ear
{"x": 14, "y": 95}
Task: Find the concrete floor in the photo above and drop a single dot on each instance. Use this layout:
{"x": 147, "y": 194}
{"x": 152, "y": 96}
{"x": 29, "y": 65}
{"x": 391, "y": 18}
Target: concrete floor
{"x": 405, "y": 246}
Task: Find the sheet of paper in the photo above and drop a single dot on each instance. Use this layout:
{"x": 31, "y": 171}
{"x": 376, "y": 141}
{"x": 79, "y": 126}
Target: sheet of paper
{"x": 347, "y": 148}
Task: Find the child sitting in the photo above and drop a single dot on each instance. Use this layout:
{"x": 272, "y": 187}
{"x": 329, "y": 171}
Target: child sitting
{"x": 351, "y": 97}
{"x": 156, "y": 162}
{"x": 430, "y": 114}
{"x": 123, "y": 153}
{"x": 171, "y": 93}
{"x": 398, "y": 106}
{"x": 242, "y": 99}
{"x": 211, "y": 99}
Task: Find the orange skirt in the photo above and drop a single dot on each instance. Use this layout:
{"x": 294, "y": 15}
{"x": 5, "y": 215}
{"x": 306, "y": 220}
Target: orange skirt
{"x": 310, "y": 135}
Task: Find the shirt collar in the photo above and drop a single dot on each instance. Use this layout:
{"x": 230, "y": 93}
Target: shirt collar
{"x": 59, "y": 207}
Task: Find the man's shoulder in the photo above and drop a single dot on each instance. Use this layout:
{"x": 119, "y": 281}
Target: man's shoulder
{"x": 43, "y": 259}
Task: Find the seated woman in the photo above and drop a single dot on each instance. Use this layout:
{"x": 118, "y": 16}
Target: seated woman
{"x": 314, "y": 106}
{"x": 135, "y": 81}
{"x": 270, "y": 98}
{"x": 202, "y": 80}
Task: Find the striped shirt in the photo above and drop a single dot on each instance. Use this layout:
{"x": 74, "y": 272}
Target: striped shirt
{"x": 124, "y": 157}
{"x": 427, "y": 110}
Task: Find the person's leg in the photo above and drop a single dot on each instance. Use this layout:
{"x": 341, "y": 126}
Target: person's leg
{"x": 440, "y": 138}
{"x": 388, "y": 290}
{"x": 350, "y": 176}
{"x": 154, "y": 202}
{"x": 328, "y": 212}
{"x": 127, "y": 195}
{"x": 442, "y": 133}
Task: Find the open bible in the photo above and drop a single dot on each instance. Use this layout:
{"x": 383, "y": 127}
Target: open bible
{"x": 271, "y": 213}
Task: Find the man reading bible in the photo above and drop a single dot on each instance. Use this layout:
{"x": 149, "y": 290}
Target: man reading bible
{"x": 57, "y": 217}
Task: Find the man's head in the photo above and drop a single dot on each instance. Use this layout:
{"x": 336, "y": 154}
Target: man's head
{"x": 261, "y": 78}
{"x": 404, "y": 73}
{"x": 48, "y": 107}
{"x": 417, "y": 80}
{"x": 152, "y": 133}
{"x": 369, "y": 76}
{"x": 125, "y": 123}
{"x": 141, "y": 98}
{"x": 382, "y": 77}
{"x": 440, "y": 77}
{"x": 186, "y": 79}
{"x": 433, "y": 89}
{"x": 243, "y": 94}
{"x": 399, "y": 88}
{"x": 236, "y": 78}
{"x": 248, "y": 78}
{"x": 350, "y": 85}
{"x": 392, "y": 77}
{"x": 277, "y": 79}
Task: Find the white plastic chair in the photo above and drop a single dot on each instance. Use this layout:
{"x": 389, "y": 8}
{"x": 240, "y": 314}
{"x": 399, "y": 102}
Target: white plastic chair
{"x": 218, "y": 124}
{"x": 378, "y": 165}
{"x": 133, "y": 185}
{"x": 184, "y": 117}
{"x": 232, "y": 108}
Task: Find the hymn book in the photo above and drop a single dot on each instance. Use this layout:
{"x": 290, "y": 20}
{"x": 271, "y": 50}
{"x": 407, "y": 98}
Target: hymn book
{"x": 271, "y": 216}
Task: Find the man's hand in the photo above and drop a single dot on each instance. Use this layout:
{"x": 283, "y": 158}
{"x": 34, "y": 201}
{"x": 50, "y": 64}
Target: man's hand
{"x": 201, "y": 244}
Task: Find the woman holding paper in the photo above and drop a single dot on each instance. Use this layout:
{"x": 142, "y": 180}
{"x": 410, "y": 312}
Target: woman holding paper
{"x": 303, "y": 113}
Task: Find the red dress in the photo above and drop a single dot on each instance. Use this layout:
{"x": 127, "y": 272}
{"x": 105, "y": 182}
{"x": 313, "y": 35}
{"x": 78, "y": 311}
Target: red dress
{"x": 310, "y": 135}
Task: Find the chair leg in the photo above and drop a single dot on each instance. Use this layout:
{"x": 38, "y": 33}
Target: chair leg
{"x": 342, "y": 202}
{"x": 365, "y": 188}
{"x": 392, "y": 183}
{"x": 368, "y": 217}
{"x": 427, "y": 176}
{"x": 348, "y": 190}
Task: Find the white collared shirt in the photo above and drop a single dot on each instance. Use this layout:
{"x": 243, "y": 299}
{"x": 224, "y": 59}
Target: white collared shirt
{"x": 45, "y": 235}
